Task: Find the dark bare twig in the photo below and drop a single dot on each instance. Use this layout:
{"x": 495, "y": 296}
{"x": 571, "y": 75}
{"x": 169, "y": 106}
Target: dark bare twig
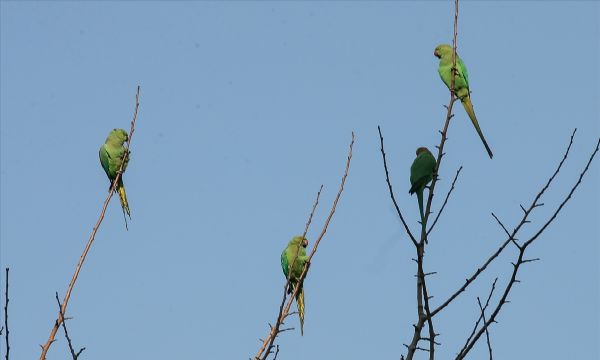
{"x": 65, "y": 302}
{"x": 487, "y": 302}
{"x": 387, "y": 179}
{"x": 64, "y": 325}
{"x": 267, "y": 347}
{"x": 521, "y": 258}
{"x": 6, "y": 315}
{"x": 445, "y": 200}
{"x": 487, "y": 333}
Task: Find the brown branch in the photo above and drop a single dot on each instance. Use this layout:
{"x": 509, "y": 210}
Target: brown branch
{"x": 65, "y": 301}
{"x": 275, "y": 330}
{"x": 312, "y": 213}
{"x": 6, "y": 315}
{"x": 267, "y": 345}
{"x": 521, "y": 258}
{"x": 64, "y": 325}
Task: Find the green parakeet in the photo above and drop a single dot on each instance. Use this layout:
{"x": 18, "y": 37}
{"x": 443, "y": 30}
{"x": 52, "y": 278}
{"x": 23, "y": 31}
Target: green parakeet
{"x": 461, "y": 84}
{"x": 421, "y": 173}
{"x": 111, "y": 156}
{"x": 296, "y": 249}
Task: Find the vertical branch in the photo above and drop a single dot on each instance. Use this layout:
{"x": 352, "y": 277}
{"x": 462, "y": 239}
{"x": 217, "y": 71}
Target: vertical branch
{"x": 423, "y": 309}
{"x": 60, "y": 319}
{"x": 6, "y": 315}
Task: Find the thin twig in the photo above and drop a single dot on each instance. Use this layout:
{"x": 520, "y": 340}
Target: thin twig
{"x": 445, "y": 200}
{"x": 6, "y": 315}
{"x": 267, "y": 345}
{"x": 487, "y": 333}
{"x": 270, "y": 340}
{"x": 65, "y": 301}
{"x": 64, "y": 325}
{"x": 480, "y": 317}
{"x": 312, "y": 212}
{"x": 387, "y": 179}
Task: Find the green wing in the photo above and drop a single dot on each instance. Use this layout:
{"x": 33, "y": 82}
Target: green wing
{"x": 462, "y": 70}
{"x": 421, "y": 171}
{"x": 284, "y": 263}
{"x": 105, "y": 159}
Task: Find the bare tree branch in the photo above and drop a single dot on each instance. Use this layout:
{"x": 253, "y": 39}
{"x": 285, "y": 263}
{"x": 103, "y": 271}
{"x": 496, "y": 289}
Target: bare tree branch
{"x": 6, "y": 315}
{"x": 521, "y": 258}
{"x": 267, "y": 346}
{"x": 65, "y": 302}
{"x": 275, "y": 330}
{"x": 487, "y": 333}
{"x": 387, "y": 179}
{"x": 445, "y": 200}
{"x": 64, "y": 325}
{"x": 423, "y": 309}
{"x": 511, "y": 237}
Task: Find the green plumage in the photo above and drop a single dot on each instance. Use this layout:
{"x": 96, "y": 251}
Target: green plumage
{"x": 112, "y": 153}
{"x": 421, "y": 173}
{"x": 295, "y": 253}
{"x": 461, "y": 85}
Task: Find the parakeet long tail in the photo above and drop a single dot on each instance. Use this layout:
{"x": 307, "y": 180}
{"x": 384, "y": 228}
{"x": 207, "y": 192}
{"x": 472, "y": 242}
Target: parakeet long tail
{"x": 123, "y": 198}
{"x": 466, "y": 101}
{"x": 300, "y": 302}
{"x": 420, "y": 199}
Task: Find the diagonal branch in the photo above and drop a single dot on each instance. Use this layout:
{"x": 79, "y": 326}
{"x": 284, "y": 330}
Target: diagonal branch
{"x": 445, "y": 200}
{"x": 482, "y": 314}
{"x": 387, "y": 179}
{"x": 487, "y": 333}
{"x": 511, "y": 237}
{"x": 275, "y": 330}
{"x": 267, "y": 346}
{"x": 64, "y": 325}
{"x": 65, "y": 302}
{"x": 521, "y": 258}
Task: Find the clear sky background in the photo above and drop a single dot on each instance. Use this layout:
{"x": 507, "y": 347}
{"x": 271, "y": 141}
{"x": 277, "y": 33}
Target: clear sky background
{"x": 246, "y": 108}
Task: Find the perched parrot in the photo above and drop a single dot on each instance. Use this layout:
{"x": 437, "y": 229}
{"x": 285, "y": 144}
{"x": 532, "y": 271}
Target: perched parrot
{"x": 111, "y": 155}
{"x": 461, "y": 84}
{"x": 296, "y": 249}
{"x": 421, "y": 173}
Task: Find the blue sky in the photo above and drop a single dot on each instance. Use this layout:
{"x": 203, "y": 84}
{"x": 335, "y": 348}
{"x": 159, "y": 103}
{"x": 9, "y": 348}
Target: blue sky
{"x": 246, "y": 108}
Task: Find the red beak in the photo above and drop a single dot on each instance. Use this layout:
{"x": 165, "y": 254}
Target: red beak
{"x": 304, "y": 243}
{"x": 435, "y": 53}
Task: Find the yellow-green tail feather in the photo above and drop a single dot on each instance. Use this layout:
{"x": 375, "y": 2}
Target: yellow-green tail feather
{"x": 300, "y": 302}
{"x": 466, "y": 101}
{"x": 123, "y": 198}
